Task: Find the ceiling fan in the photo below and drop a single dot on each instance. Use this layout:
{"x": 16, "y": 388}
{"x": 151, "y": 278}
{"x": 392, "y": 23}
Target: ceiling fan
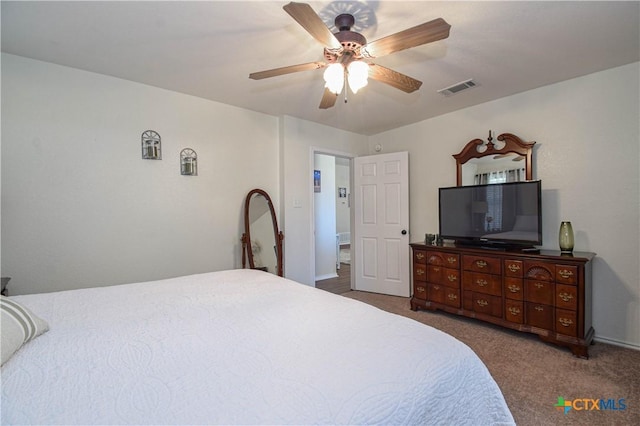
{"x": 347, "y": 53}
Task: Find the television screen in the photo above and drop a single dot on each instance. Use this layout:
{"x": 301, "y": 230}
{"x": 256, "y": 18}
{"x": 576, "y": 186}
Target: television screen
{"x": 503, "y": 213}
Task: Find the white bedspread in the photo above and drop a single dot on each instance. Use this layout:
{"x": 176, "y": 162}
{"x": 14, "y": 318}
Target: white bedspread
{"x": 239, "y": 347}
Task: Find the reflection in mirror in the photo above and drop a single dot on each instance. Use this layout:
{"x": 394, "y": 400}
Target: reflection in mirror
{"x": 494, "y": 169}
{"x": 509, "y": 160}
{"x": 261, "y": 241}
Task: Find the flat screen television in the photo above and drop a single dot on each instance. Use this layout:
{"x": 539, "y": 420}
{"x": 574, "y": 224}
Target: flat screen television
{"x": 499, "y": 215}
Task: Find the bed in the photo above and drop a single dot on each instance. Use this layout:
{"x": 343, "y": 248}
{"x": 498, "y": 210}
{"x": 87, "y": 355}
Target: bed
{"x": 238, "y": 347}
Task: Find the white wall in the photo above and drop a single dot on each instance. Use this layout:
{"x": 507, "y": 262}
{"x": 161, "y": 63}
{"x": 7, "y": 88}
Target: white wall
{"x": 325, "y": 218}
{"x": 81, "y": 208}
{"x": 343, "y": 208}
{"x": 299, "y": 139}
{"x": 588, "y": 158}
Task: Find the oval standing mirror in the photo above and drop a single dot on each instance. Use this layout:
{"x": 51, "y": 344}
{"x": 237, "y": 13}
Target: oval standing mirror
{"x": 479, "y": 163}
{"x": 261, "y": 241}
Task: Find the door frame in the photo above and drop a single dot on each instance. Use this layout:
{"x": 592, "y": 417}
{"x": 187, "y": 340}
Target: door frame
{"x": 313, "y": 150}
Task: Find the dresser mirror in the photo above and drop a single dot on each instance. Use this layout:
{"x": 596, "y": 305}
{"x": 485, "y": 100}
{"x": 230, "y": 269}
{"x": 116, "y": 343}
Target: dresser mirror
{"x": 261, "y": 241}
{"x": 508, "y": 160}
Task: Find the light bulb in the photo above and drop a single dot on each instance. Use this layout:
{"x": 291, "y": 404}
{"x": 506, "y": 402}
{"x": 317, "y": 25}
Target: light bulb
{"x": 334, "y": 78}
{"x": 357, "y": 74}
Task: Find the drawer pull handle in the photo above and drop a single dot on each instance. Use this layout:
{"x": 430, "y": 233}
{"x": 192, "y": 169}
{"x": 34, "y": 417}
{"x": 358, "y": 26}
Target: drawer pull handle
{"x": 565, "y": 296}
{"x": 420, "y": 289}
{"x": 513, "y": 288}
{"x": 436, "y": 287}
{"x": 482, "y": 302}
{"x": 481, "y": 263}
{"x": 539, "y": 285}
{"x": 420, "y": 255}
{"x": 451, "y": 260}
{"x": 436, "y": 269}
{"x": 565, "y": 322}
{"x": 452, "y": 277}
{"x": 539, "y": 308}
{"x": 481, "y": 282}
{"x": 565, "y": 273}
{"x": 514, "y": 311}
{"x": 452, "y": 296}
{"x": 420, "y": 272}
{"x": 514, "y": 267}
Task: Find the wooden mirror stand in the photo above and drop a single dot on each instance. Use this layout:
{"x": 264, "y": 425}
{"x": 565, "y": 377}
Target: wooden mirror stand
{"x": 261, "y": 234}
{"x": 477, "y": 150}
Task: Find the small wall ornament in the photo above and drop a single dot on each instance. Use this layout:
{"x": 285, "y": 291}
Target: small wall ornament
{"x": 151, "y": 145}
{"x": 188, "y": 162}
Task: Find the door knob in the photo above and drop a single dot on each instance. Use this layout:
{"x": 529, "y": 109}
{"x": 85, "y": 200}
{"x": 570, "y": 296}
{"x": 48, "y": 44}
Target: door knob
{"x": 404, "y": 232}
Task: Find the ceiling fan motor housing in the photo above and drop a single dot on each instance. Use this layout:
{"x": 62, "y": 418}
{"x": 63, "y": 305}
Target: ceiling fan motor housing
{"x": 351, "y": 41}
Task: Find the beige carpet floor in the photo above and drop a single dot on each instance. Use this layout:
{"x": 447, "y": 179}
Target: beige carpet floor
{"x": 533, "y": 374}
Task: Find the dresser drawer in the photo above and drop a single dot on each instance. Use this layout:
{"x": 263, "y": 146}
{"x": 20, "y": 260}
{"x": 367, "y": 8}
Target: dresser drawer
{"x": 514, "y": 311}
{"x": 487, "y": 265}
{"x": 538, "y": 315}
{"x": 483, "y": 303}
{"x": 566, "y": 322}
{"x": 448, "y": 260}
{"x": 513, "y": 288}
{"x": 445, "y": 295}
{"x": 566, "y": 297}
{"x": 539, "y": 271}
{"x": 545, "y": 293}
{"x": 539, "y": 292}
{"x": 419, "y": 256}
{"x": 419, "y": 272}
{"x": 513, "y": 268}
{"x": 444, "y": 276}
{"x": 482, "y": 283}
{"x": 420, "y": 290}
{"x": 452, "y": 297}
{"x": 566, "y": 274}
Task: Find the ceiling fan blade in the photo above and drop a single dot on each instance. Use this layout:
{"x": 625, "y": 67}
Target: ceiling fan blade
{"x": 310, "y": 21}
{"x": 328, "y": 99}
{"x": 428, "y": 32}
{"x": 286, "y": 70}
{"x": 394, "y": 78}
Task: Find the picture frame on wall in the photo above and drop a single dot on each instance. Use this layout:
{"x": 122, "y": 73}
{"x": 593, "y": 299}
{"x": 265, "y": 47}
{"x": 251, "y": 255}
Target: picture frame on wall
{"x": 316, "y": 181}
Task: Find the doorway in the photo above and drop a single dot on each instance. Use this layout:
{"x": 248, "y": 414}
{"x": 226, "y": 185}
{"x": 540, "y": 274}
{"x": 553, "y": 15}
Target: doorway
{"x": 332, "y": 222}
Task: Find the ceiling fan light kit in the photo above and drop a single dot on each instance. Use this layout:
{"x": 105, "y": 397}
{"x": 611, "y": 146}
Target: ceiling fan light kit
{"x": 345, "y": 53}
{"x": 334, "y": 78}
{"x": 357, "y": 75}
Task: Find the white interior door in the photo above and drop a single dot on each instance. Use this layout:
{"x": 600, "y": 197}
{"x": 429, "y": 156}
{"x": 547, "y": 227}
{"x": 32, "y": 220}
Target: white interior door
{"x": 381, "y": 223}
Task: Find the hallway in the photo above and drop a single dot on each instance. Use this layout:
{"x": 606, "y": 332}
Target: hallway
{"x": 339, "y": 285}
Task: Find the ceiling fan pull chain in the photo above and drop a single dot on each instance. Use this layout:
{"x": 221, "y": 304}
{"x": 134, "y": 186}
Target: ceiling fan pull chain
{"x": 346, "y": 89}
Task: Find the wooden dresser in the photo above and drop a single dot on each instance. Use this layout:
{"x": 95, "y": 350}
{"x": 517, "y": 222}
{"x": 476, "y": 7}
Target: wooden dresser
{"x": 545, "y": 293}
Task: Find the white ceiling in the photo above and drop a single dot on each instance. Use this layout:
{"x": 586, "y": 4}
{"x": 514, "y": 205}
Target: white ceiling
{"x": 208, "y": 48}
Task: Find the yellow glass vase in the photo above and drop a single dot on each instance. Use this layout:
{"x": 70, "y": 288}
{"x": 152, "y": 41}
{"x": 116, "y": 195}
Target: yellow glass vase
{"x": 565, "y": 238}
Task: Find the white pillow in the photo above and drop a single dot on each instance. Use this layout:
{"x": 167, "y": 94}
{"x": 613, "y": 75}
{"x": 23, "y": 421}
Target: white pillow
{"x": 18, "y": 326}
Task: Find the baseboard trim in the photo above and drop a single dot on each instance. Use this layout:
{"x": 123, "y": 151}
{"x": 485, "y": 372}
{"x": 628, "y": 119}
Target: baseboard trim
{"x": 617, "y": 343}
{"x": 326, "y": 277}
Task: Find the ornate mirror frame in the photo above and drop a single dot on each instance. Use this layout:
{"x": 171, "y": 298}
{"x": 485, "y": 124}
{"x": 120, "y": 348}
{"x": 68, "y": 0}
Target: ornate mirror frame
{"x": 478, "y": 149}
{"x": 247, "y": 252}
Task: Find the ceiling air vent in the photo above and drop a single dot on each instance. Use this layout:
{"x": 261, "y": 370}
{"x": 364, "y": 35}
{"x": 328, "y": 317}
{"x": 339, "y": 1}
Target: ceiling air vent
{"x": 458, "y": 87}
